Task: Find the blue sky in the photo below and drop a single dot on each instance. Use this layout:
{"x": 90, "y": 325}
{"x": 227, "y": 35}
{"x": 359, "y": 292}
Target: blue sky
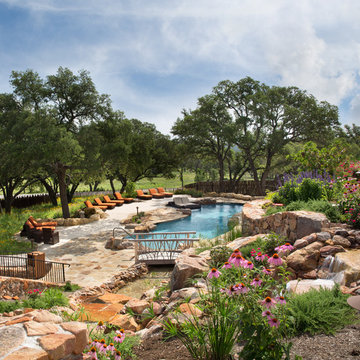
{"x": 156, "y": 57}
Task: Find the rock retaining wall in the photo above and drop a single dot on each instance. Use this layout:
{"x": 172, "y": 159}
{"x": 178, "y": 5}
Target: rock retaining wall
{"x": 16, "y": 287}
{"x": 292, "y": 224}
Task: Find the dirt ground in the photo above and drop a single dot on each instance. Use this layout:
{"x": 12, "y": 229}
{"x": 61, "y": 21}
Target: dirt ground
{"x": 345, "y": 345}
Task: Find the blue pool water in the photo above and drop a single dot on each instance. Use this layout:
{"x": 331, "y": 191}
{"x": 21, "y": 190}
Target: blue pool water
{"x": 208, "y": 222}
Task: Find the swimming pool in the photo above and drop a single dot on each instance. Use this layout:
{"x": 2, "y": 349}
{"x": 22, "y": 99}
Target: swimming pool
{"x": 208, "y": 222}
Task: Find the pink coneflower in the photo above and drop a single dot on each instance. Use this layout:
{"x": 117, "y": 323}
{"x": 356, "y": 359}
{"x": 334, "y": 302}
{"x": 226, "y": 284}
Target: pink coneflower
{"x": 275, "y": 260}
{"x": 111, "y": 347}
{"x": 100, "y": 326}
{"x": 266, "y": 271}
{"x": 268, "y": 302}
{"x": 96, "y": 343}
{"x": 287, "y": 247}
{"x": 238, "y": 260}
{"x": 267, "y": 313}
{"x": 104, "y": 348}
{"x": 256, "y": 282}
{"x": 227, "y": 265}
{"x": 117, "y": 355}
{"x": 232, "y": 258}
{"x": 101, "y": 344}
{"x": 248, "y": 265}
{"x": 241, "y": 288}
{"x": 260, "y": 256}
{"x": 214, "y": 273}
{"x": 92, "y": 353}
{"x": 274, "y": 322}
{"x": 280, "y": 300}
{"x": 231, "y": 290}
{"x": 119, "y": 338}
{"x": 236, "y": 252}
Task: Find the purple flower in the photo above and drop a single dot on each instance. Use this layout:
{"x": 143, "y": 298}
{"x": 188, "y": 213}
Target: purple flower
{"x": 214, "y": 273}
{"x": 280, "y": 300}
{"x": 274, "y": 322}
{"x": 100, "y": 326}
{"x": 227, "y": 265}
{"x": 275, "y": 260}
{"x": 241, "y": 288}
{"x": 231, "y": 290}
{"x": 266, "y": 271}
{"x": 256, "y": 282}
{"x": 248, "y": 265}
{"x": 268, "y": 302}
{"x": 267, "y": 313}
{"x": 92, "y": 353}
{"x": 119, "y": 338}
{"x": 260, "y": 256}
{"x": 238, "y": 260}
{"x": 117, "y": 355}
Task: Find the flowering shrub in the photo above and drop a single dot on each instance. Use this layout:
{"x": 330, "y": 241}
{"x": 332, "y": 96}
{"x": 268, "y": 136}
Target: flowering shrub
{"x": 349, "y": 175}
{"x": 109, "y": 345}
{"x": 305, "y": 186}
{"x": 33, "y": 294}
{"x": 248, "y": 303}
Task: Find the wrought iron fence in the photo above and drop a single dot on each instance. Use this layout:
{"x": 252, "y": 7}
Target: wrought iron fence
{"x": 27, "y": 267}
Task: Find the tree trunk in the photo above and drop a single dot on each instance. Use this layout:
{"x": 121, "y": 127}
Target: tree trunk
{"x": 221, "y": 175}
{"x": 51, "y": 191}
{"x": 8, "y": 204}
{"x": 70, "y": 193}
{"x": 60, "y": 170}
{"x": 112, "y": 185}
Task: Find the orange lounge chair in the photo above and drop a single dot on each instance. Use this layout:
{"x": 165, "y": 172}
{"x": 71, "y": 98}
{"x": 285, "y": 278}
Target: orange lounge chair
{"x": 116, "y": 202}
{"x": 100, "y": 203}
{"x": 119, "y": 197}
{"x": 45, "y": 223}
{"x": 90, "y": 205}
{"x": 143, "y": 196}
{"x": 155, "y": 194}
{"x": 163, "y": 192}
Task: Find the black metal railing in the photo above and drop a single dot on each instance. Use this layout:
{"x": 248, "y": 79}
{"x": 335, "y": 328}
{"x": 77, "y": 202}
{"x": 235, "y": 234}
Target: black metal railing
{"x": 27, "y": 267}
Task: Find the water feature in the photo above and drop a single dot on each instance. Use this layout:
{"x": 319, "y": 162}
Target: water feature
{"x": 332, "y": 266}
{"x": 208, "y": 222}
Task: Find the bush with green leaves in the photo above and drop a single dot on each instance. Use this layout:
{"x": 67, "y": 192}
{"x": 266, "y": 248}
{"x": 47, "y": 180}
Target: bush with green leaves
{"x": 47, "y": 299}
{"x": 320, "y": 311}
{"x": 219, "y": 255}
{"x": 332, "y": 212}
{"x": 191, "y": 192}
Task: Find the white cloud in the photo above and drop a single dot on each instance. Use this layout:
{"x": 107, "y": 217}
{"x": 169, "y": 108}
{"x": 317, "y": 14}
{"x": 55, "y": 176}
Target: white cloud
{"x": 312, "y": 44}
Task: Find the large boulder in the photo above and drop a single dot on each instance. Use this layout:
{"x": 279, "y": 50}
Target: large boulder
{"x": 305, "y": 259}
{"x": 186, "y": 266}
{"x": 349, "y": 263}
{"x": 302, "y": 286}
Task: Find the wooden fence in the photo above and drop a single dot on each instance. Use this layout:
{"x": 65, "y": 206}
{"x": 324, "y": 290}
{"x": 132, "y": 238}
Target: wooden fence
{"x": 242, "y": 187}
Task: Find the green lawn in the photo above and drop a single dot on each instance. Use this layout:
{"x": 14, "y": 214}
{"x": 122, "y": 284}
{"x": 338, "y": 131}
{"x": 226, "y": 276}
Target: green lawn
{"x": 146, "y": 183}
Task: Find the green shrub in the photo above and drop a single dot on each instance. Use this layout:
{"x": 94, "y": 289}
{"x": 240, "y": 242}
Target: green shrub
{"x": 49, "y": 298}
{"x": 309, "y": 189}
{"x": 191, "y": 192}
{"x": 320, "y": 311}
{"x": 246, "y": 250}
{"x": 8, "y": 306}
{"x": 286, "y": 193}
{"x": 271, "y": 241}
{"x": 219, "y": 255}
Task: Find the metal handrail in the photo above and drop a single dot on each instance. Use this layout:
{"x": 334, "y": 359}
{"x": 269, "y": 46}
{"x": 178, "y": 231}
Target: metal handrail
{"x": 123, "y": 229}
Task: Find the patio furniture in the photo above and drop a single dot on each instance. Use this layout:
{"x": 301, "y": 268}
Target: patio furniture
{"x": 90, "y": 205}
{"x": 155, "y": 194}
{"x": 119, "y": 197}
{"x": 45, "y": 223}
{"x": 116, "y": 202}
{"x": 100, "y": 203}
{"x": 183, "y": 202}
{"x": 46, "y": 234}
{"x": 163, "y": 192}
{"x": 143, "y": 196}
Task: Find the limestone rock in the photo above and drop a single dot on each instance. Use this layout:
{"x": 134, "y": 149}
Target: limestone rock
{"x": 340, "y": 240}
{"x": 305, "y": 259}
{"x": 58, "y": 345}
{"x": 10, "y": 338}
{"x": 300, "y": 243}
{"x": 186, "y": 267}
{"x": 349, "y": 262}
{"x": 323, "y": 236}
{"x": 115, "y": 298}
{"x": 190, "y": 309}
{"x": 125, "y": 322}
{"x": 137, "y": 306}
{"x": 34, "y": 328}
{"x": 185, "y": 293}
{"x": 26, "y": 353}
{"x": 331, "y": 250}
{"x": 46, "y": 316}
{"x": 302, "y": 286}
{"x": 80, "y": 331}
